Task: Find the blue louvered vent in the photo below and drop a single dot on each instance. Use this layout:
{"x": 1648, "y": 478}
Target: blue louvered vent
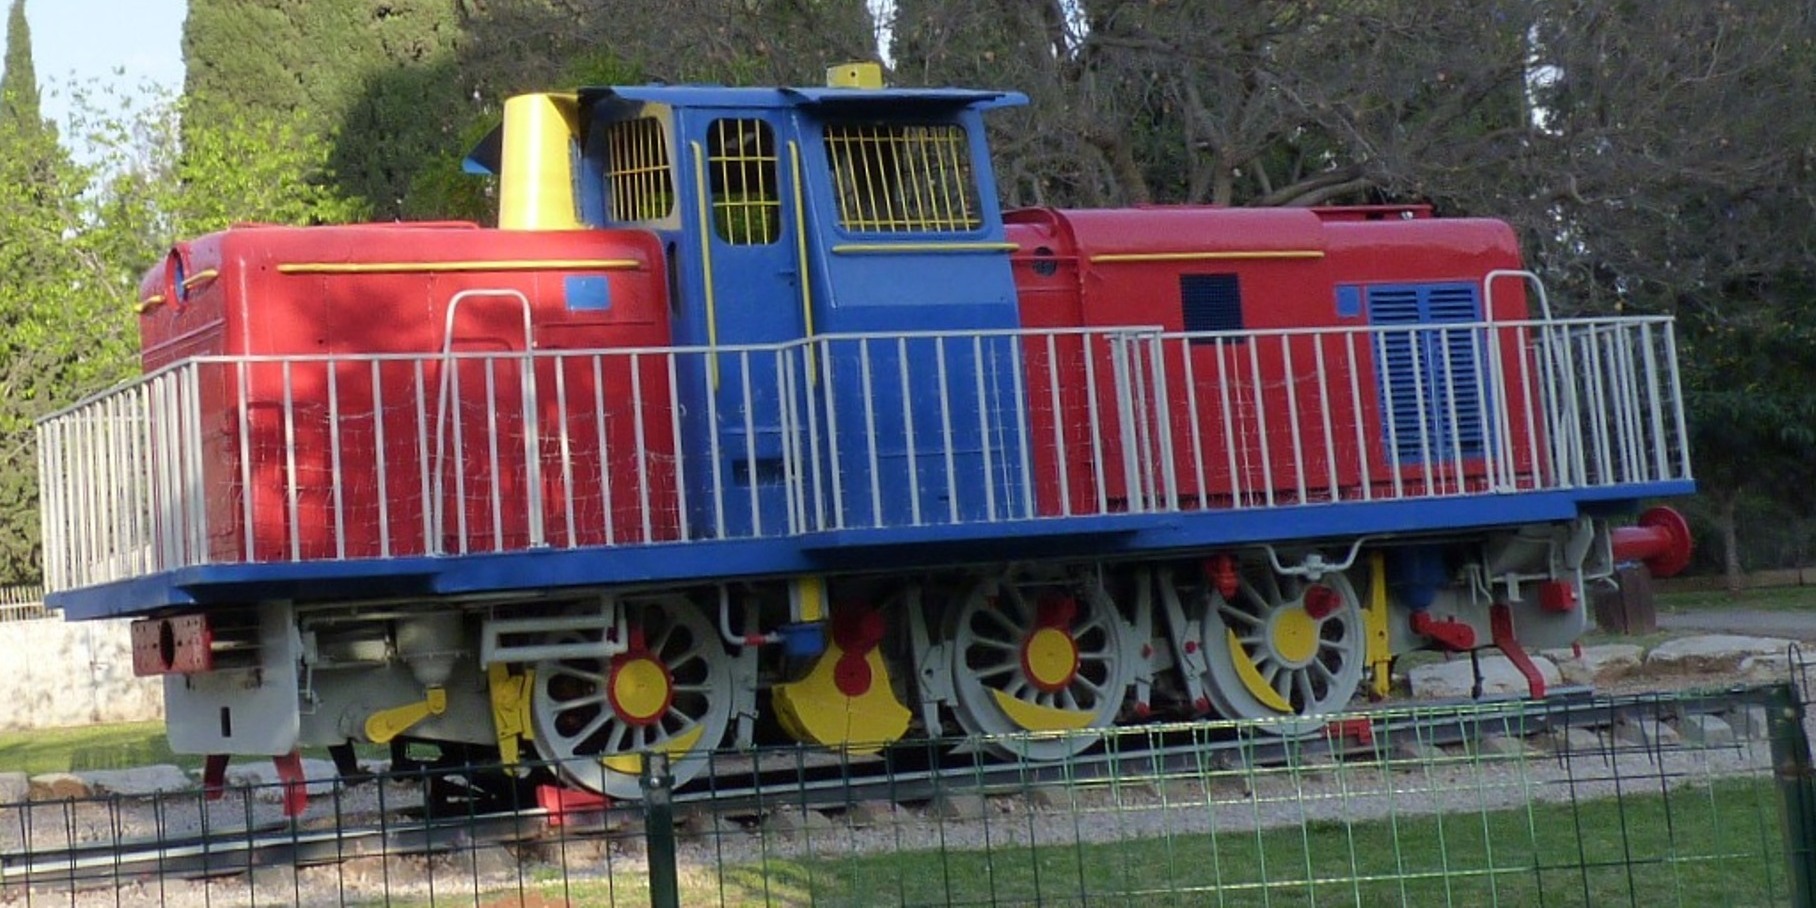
{"x": 1430, "y": 381}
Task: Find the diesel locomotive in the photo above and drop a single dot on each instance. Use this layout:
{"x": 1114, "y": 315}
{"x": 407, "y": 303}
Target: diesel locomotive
{"x": 756, "y": 414}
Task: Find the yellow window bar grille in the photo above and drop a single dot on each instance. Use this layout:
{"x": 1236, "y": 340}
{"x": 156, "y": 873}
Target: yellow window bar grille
{"x": 902, "y": 178}
{"x": 741, "y": 159}
{"x": 637, "y": 170}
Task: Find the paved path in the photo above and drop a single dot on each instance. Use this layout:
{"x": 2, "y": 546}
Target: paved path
{"x": 1797, "y": 625}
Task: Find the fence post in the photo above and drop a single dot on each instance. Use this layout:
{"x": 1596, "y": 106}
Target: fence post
{"x": 1791, "y": 764}
{"x": 659, "y": 830}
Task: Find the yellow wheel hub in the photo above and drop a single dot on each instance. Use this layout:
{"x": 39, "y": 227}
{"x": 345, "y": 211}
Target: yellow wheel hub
{"x": 640, "y": 689}
{"x": 1295, "y": 636}
{"x": 1050, "y": 657}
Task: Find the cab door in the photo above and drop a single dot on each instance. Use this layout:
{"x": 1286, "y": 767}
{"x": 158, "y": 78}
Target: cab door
{"x": 740, "y": 223}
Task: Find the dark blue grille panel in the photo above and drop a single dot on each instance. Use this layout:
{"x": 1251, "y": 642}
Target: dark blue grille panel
{"x": 1435, "y": 408}
{"x": 1211, "y": 302}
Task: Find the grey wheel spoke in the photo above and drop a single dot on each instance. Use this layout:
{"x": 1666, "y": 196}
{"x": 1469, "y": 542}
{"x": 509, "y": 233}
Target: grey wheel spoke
{"x": 684, "y": 721}
{"x": 658, "y": 644}
{"x": 995, "y": 670}
{"x": 567, "y": 671}
{"x": 998, "y": 645}
{"x": 587, "y": 700}
{"x": 1010, "y": 630}
{"x": 588, "y": 730}
{"x": 1230, "y": 611}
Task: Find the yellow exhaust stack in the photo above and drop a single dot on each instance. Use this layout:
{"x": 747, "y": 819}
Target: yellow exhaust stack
{"x": 854, "y": 75}
{"x": 536, "y": 168}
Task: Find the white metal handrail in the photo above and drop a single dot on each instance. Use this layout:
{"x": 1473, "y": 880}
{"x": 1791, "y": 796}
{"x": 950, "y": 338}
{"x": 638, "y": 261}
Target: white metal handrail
{"x": 272, "y": 458}
{"x": 449, "y": 385}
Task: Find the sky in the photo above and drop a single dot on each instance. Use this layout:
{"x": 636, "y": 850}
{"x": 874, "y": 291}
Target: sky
{"x": 80, "y": 40}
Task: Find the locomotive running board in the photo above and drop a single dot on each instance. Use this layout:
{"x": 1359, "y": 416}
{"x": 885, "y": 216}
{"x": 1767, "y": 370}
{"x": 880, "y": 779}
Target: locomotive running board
{"x": 1075, "y": 535}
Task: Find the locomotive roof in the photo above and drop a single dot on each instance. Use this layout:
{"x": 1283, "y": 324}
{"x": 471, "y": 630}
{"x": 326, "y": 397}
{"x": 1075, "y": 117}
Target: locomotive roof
{"x": 847, "y": 101}
{"x": 842, "y": 98}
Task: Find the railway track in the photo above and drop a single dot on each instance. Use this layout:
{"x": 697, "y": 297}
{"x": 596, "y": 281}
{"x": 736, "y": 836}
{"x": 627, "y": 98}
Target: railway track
{"x": 751, "y": 785}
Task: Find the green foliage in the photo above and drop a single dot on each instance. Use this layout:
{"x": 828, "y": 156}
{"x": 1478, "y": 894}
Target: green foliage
{"x": 441, "y": 189}
{"x": 372, "y": 76}
{"x": 248, "y": 167}
{"x": 403, "y": 85}
{"x": 79, "y": 234}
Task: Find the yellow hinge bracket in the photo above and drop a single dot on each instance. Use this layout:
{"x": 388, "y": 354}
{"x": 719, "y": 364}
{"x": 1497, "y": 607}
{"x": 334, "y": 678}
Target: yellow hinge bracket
{"x": 386, "y": 724}
{"x": 510, "y": 710}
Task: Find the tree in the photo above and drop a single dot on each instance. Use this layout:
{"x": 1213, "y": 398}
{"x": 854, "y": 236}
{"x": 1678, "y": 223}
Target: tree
{"x": 1678, "y": 165}
{"x": 333, "y": 66}
{"x": 1279, "y": 102}
{"x": 403, "y": 86}
{"x": 78, "y": 236}
{"x": 34, "y": 201}
{"x": 19, "y": 84}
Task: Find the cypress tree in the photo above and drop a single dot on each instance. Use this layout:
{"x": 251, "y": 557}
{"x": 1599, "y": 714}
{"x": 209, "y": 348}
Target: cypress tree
{"x": 19, "y": 83}
{"x": 376, "y": 77}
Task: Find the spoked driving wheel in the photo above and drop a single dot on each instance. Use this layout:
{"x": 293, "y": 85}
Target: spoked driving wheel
{"x": 1283, "y": 647}
{"x": 1037, "y": 658}
{"x": 669, "y": 691}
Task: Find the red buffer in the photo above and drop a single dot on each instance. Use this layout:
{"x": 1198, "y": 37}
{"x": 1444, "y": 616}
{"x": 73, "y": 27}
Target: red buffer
{"x": 1660, "y": 540}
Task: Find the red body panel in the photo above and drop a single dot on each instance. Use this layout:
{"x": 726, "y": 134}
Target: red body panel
{"x": 286, "y": 293}
{"x": 1123, "y": 268}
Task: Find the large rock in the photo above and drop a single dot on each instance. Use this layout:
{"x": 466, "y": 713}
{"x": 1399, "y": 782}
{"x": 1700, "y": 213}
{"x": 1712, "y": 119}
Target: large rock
{"x": 796, "y": 822}
{"x": 1646, "y": 733}
{"x": 137, "y": 782}
{"x": 1750, "y": 722}
{"x": 1572, "y": 739}
{"x": 1711, "y": 652}
{"x": 959, "y": 805}
{"x": 1777, "y": 666}
{"x": 58, "y": 786}
{"x": 1602, "y": 664}
{"x": 1455, "y": 678}
{"x": 1706, "y": 731}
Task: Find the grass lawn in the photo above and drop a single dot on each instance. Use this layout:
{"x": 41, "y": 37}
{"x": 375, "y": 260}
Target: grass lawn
{"x": 89, "y": 747}
{"x": 1774, "y": 599}
{"x": 1707, "y": 846}
{"x": 110, "y": 747}
{"x": 1714, "y": 845}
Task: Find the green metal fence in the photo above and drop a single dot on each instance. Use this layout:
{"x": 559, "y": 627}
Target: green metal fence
{"x": 1679, "y": 799}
